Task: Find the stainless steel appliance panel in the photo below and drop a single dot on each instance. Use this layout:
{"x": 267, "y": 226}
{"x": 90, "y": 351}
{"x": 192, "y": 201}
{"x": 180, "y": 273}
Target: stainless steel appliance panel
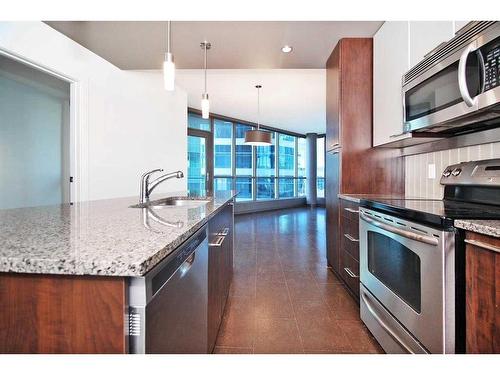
{"x": 168, "y": 307}
{"x": 407, "y": 267}
{"x": 459, "y": 89}
{"x": 390, "y": 334}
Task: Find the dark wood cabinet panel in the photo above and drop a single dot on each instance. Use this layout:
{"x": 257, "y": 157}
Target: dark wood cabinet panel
{"x": 355, "y": 167}
{"x": 482, "y": 295}
{"x": 62, "y": 314}
{"x": 349, "y": 237}
{"x": 220, "y": 268}
{"x": 350, "y": 272}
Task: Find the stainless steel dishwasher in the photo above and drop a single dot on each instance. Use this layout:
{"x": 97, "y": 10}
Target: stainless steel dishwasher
{"x": 168, "y": 306}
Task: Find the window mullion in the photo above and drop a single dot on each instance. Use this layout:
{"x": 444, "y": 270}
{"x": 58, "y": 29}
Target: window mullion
{"x": 276, "y": 166}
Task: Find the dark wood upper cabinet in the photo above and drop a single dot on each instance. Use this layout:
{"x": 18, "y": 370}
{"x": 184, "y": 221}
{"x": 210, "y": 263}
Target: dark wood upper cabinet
{"x": 352, "y": 164}
{"x": 333, "y": 101}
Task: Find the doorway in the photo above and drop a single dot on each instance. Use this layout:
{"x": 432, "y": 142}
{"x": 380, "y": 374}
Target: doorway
{"x": 200, "y": 162}
{"x": 35, "y": 138}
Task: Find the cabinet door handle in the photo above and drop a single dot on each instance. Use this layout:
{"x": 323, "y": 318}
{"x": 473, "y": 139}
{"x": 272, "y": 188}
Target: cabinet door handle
{"x": 224, "y": 232}
{"x": 351, "y": 210}
{"x": 483, "y": 245}
{"x": 218, "y": 242}
{"x": 350, "y": 238}
{"x": 350, "y": 273}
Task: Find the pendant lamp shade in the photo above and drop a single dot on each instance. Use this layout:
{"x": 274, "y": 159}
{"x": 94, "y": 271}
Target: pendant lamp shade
{"x": 258, "y": 137}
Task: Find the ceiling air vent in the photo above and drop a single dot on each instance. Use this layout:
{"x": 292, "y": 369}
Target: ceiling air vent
{"x": 464, "y": 37}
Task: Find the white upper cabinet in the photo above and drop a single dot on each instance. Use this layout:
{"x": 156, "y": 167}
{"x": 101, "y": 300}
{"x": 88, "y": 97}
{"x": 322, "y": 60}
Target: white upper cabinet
{"x": 458, "y": 25}
{"x": 390, "y": 62}
{"x": 427, "y": 35}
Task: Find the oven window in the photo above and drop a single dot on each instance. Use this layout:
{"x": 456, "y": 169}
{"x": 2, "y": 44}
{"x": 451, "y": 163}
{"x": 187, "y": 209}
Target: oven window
{"x": 441, "y": 90}
{"x": 396, "y": 266}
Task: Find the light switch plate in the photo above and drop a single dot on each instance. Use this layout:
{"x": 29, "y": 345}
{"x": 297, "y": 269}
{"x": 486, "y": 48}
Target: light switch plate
{"x": 431, "y": 172}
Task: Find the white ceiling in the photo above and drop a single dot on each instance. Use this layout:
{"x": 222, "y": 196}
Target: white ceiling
{"x": 291, "y": 99}
{"x": 235, "y": 45}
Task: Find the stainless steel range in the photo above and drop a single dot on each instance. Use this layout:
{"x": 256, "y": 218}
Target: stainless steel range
{"x": 412, "y": 261}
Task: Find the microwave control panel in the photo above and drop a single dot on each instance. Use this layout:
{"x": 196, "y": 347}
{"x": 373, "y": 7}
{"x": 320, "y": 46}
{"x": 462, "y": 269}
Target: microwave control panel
{"x": 492, "y": 68}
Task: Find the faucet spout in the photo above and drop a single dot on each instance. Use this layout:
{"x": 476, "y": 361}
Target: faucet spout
{"x": 150, "y": 186}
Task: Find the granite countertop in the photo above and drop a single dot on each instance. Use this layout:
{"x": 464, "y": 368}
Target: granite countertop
{"x": 487, "y": 227}
{"x": 104, "y": 237}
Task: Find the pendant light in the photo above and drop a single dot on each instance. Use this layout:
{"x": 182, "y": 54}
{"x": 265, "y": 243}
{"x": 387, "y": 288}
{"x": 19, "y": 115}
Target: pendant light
{"x": 258, "y": 137}
{"x": 205, "y": 104}
{"x": 168, "y": 65}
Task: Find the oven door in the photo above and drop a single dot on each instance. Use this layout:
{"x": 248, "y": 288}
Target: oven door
{"x": 403, "y": 265}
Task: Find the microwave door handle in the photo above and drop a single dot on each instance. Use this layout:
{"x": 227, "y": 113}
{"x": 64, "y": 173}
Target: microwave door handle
{"x": 483, "y": 70}
{"x": 462, "y": 76}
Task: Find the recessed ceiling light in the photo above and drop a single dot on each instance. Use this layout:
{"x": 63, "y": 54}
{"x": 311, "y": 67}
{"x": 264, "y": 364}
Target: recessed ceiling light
{"x": 287, "y": 49}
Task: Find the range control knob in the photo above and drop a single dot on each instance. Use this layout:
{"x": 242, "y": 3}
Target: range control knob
{"x": 456, "y": 171}
{"x": 447, "y": 173}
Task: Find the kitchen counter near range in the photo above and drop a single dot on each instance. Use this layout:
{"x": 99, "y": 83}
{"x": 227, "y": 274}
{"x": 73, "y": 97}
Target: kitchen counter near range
{"x": 486, "y": 227}
{"x": 104, "y": 237}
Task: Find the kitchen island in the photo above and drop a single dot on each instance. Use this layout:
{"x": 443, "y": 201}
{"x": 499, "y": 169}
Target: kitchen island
{"x": 64, "y": 270}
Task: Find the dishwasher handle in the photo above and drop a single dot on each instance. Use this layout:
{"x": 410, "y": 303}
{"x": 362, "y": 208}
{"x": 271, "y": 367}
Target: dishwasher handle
{"x": 188, "y": 263}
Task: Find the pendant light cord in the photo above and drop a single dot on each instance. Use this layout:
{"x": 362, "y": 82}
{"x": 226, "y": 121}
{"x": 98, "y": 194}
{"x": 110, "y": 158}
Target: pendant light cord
{"x": 258, "y": 87}
{"x": 205, "y": 67}
{"x": 168, "y": 37}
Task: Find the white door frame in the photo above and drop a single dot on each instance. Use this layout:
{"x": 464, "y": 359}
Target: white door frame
{"x": 79, "y": 104}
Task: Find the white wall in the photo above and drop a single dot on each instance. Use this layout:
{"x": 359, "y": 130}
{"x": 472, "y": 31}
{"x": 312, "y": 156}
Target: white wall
{"x": 128, "y": 123}
{"x": 417, "y": 182}
{"x": 291, "y": 99}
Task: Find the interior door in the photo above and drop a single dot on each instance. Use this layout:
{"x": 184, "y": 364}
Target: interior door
{"x": 200, "y": 162}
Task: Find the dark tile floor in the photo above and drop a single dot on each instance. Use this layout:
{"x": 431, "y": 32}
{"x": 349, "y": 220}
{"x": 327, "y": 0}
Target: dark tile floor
{"x": 283, "y": 298}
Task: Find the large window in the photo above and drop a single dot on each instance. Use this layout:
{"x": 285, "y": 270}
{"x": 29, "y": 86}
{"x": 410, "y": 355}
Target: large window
{"x": 286, "y": 164}
{"x": 257, "y": 173}
{"x": 223, "y": 145}
{"x": 197, "y": 122}
{"x": 265, "y": 170}
{"x": 244, "y": 164}
{"x": 320, "y": 173}
{"x": 197, "y": 165}
{"x": 301, "y": 167}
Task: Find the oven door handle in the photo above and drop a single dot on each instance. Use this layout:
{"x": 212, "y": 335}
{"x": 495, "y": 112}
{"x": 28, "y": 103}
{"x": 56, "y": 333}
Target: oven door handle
{"x": 386, "y": 328}
{"x": 405, "y": 233}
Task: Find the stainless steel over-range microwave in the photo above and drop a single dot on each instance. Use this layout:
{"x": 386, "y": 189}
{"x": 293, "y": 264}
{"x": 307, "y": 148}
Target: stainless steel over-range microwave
{"x": 456, "y": 87}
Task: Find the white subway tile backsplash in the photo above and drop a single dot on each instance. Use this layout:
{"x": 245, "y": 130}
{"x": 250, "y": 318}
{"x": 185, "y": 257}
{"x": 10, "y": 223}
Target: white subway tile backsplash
{"x": 417, "y": 183}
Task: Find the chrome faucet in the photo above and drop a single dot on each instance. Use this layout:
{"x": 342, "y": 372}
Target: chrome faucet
{"x": 147, "y": 187}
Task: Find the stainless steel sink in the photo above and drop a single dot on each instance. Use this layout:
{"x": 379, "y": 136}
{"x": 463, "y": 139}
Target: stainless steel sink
{"x": 190, "y": 202}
